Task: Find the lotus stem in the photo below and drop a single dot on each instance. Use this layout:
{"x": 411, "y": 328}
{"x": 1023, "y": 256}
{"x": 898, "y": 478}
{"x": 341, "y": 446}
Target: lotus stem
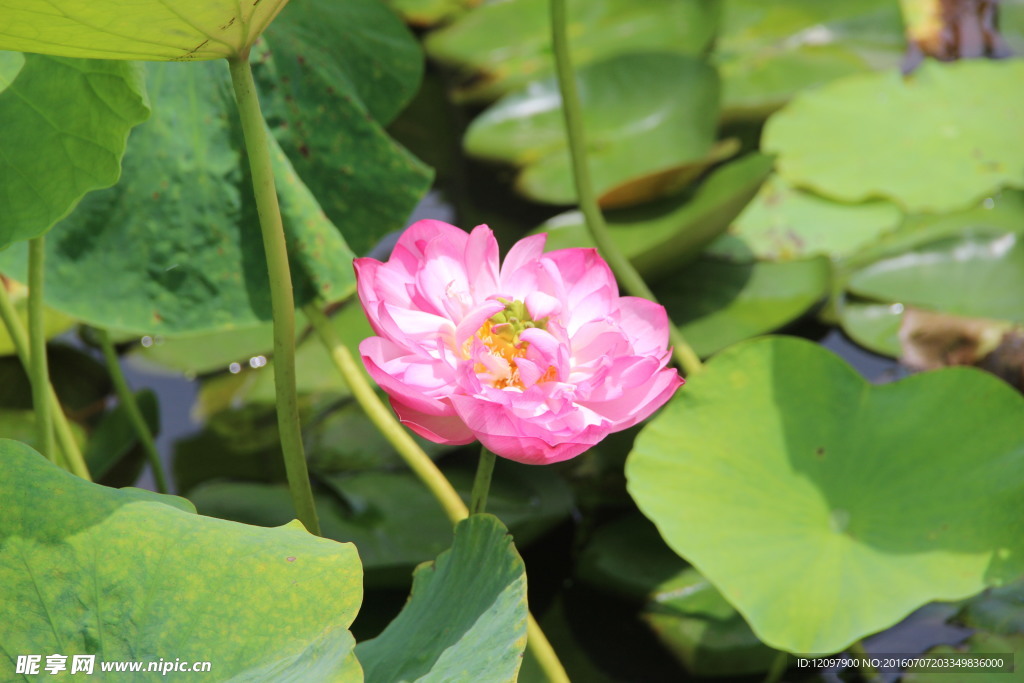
{"x": 39, "y": 371}
{"x": 482, "y": 482}
{"x": 71, "y": 455}
{"x": 282, "y": 302}
{"x": 131, "y": 407}
{"x": 624, "y": 271}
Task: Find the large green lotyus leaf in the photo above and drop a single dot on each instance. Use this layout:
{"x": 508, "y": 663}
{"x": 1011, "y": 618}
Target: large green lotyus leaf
{"x": 135, "y": 29}
{"x": 767, "y": 52}
{"x": 687, "y": 614}
{"x": 784, "y": 223}
{"x": 466, "y": 615}
{"x": 935, "y": 141}
{"x": 390, "y": 516}
{"x": 175, "y": 248}
{"x": 825, "y": 508}
{"x": 649, "y": 116}
{"x": 979, "y": 275}
{"x": 717, "y": 303}
{"x": 502, "y": 46}
{"x": 64, "y": 124}
{"x": 332, "y": 76}
{"x": 129, "y": 575}
{"x": 658, "y": 236}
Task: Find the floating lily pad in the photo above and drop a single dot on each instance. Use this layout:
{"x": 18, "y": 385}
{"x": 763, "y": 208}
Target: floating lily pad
{"x": 931, "y": 142}
{"x": 784, "y": 223}
{"x": 132, "y": 575}
{"x": 63, "y": 128}
{"x": 873, "y": 325}
{"x": 998, "y": 619}
{"x": 430, "y": 12}
{"x": 983, "y": 645}
{"x": 644, "y": 113}
{"x": 700, "y": 627}
{"x": 391, "y": 516}
{"x": 768, "y": 52}
{"x": 717, "y": 303}
{"x": 393, "y": 524}
{"x": 628, "y": 557}
{"x": 663, "y": 182}
{"x": 974, "y": 275}
{"x": 657, "y": 237}
{"x": 134, "y": 29}
{"x": 466, "y": 615}
{"x": 505, "y": 45}
{"x": 689, "y": 616}
{"x": 1011, "y": 24}
{"x": 855, "y": 503}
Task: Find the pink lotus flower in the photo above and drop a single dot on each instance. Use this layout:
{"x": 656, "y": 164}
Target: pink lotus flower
{"x": 539, "y": 359}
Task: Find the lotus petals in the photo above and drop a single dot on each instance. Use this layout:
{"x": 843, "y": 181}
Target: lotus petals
{"x": 538, "y": 358}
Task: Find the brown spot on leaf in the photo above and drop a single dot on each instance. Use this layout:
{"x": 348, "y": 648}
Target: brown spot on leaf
{"x": 290, "y": 559}
{"x": 819, "y": 452}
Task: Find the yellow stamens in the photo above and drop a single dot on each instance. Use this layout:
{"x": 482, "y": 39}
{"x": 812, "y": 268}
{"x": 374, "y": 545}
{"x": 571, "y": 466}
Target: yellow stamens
{"x": 500, "y": 334}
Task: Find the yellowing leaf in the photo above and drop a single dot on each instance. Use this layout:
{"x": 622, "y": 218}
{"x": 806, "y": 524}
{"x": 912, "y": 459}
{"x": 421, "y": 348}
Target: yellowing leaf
{"x": 135, "y": 29}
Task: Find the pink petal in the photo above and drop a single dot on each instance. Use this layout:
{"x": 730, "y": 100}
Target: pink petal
{"x": 541, "y": 305}
{"x": 491, "y": 423}
{"x": 421, "y": 382}
{"x": 481, "y": 258}
{"x": 645, "y": 323}
{"x": 584, "y": 273}
{"x": 449, "y": 429}
{"x": 638, "y": 402}
{"x": 522, "y": 254}
{"x": 412, "y": 244}
{"x": 474, "y": 320}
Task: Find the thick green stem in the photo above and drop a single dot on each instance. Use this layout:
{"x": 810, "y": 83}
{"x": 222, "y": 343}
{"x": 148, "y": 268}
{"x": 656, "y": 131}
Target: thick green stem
{"x": 482, "y": 482}
{"x": 620, "y": 265}
{"x": 39, "y": 371}
{"x": 282, "y": 303}
{"x": 421, "y": 464}
{"x": 131, "y": 406}
{"x": 72, "y": 459}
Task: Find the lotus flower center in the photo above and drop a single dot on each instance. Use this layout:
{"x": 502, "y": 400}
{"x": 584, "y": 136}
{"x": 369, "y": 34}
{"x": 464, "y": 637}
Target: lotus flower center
{"x": 500, "y": 334}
